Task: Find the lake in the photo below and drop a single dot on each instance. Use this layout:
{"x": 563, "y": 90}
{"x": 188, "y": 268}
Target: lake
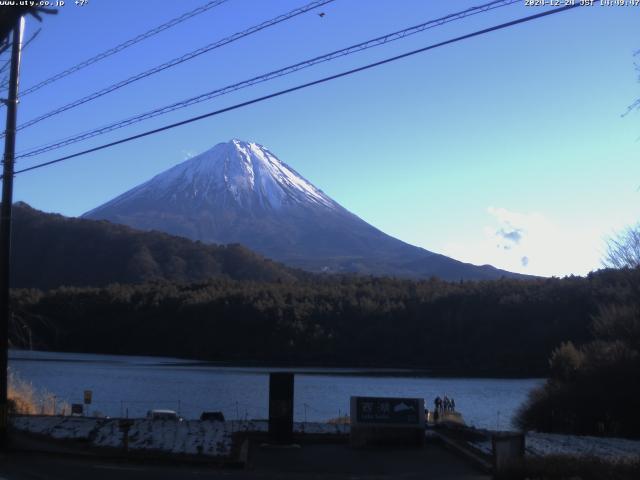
{"x": 131, "y": 385}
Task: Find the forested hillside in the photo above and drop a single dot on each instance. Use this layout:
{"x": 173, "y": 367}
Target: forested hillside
{"x": 51, "y": 250}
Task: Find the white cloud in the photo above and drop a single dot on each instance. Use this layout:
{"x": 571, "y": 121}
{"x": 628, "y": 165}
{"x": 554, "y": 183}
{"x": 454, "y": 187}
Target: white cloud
{"x": 530, "y": 243}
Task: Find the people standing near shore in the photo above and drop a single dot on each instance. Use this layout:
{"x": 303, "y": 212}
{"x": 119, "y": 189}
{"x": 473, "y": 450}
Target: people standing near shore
{"x": 443, "y": 406}
{"x": 438, "y": 404}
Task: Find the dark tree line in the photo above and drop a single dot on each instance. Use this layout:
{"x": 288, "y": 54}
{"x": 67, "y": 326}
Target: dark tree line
{"x": 504, "y": 327}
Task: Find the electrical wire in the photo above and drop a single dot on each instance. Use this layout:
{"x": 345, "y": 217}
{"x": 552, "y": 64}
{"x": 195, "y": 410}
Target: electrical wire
{"x": 118, "y": 48}
{"x": 305, "y": 85}
{"x": 176, "y": 61}
{"x": 268, "y": 76}
{"x": 6, "y": 65}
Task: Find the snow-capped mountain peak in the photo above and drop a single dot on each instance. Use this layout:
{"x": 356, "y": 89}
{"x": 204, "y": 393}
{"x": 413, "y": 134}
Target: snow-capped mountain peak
{"x": 242, "y": 172}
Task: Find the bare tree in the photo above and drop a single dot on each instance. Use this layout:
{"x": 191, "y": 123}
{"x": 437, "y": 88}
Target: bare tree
{"x": 635, "y": 105}
{"x": 623, "y": 250}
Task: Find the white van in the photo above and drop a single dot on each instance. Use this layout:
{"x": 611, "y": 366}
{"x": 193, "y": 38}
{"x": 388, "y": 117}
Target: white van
{"x": 159, "y": 414}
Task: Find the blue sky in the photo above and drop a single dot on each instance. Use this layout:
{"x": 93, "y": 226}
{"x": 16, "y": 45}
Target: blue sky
{"x": 507, "y": 149}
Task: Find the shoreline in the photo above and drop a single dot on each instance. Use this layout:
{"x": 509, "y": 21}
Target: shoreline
{"x": 302, "y": 368}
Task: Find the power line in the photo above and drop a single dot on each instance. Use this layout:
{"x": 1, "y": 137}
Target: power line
{"x": 24, "y": 47}
{"x": 177, "y": 61}
{"x": 268, "y": 76}
{"x": 4, "y": 46}
{"x": 124, "y": 45}
{"x": 303, "y": 86}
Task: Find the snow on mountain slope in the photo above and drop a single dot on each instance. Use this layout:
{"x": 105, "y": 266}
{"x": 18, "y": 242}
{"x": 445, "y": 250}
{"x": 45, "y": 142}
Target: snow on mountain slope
{"x": 248, "y": 172}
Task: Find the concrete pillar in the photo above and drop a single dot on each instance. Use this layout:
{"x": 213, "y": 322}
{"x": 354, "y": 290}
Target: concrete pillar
{"x": 508, "y": 451}
{"x": 281, "y": 407}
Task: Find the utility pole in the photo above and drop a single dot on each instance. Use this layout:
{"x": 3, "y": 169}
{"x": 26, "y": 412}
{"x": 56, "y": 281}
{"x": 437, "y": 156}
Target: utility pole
{"x": 5, "y": 226}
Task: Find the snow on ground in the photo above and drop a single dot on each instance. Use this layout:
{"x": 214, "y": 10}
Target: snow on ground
{"x": 190, "y": 437}
{"x": 555, "y": 444}
{"x": 72, "y": 427}
{"x": 320, "y": 428}
{"x": 543, "y": 444}
{"x": 214, "y": 439}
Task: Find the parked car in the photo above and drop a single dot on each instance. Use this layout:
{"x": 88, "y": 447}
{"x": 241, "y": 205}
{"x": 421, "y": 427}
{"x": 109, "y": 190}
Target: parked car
{"x": 161, "y": 414}
{"x": 212, "y": 416}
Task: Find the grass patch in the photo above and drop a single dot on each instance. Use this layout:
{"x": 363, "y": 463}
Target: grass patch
{"x": 25, "y": 399}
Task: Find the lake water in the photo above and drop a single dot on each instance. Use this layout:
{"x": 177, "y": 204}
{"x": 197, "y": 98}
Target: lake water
{"x": 132, "y": 385}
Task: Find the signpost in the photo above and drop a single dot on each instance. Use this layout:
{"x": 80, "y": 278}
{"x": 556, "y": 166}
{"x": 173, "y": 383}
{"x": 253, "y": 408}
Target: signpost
{"x": 124, "y": 425}
{"x": 396, "y": 411}
{"x": 383, "y": 420}
{"x": 88, "y": 395}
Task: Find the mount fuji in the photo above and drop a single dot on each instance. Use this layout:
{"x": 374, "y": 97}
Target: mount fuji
{"x": 240, "y": 192}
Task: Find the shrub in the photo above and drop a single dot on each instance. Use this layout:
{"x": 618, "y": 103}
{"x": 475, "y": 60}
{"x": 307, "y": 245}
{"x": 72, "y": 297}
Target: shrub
{"x": 24, "y": 399}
